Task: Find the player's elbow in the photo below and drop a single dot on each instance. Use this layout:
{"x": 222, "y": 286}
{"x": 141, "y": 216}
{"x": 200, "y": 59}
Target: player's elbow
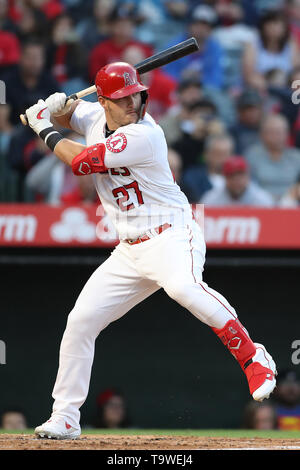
{"x": 90, "y": 160}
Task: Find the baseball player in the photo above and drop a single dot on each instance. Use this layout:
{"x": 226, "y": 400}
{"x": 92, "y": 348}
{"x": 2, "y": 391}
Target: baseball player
{"x": 161, "y": 245}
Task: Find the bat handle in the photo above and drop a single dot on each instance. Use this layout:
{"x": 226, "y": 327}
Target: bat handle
{"x": 23, "y": 119}
{"x": 73, "y": 97}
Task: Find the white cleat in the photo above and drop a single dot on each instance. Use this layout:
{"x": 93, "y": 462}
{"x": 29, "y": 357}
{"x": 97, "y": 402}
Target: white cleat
{"x": 261, "y": 374}
{"x": 57, "y": 428}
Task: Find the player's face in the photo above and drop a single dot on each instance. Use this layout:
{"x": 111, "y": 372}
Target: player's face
{"x": 122, "y": 111}
{"x": 237, "y": 184}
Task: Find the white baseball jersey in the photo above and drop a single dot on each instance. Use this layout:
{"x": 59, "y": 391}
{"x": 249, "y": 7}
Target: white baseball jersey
{"x": 138, "y": 192}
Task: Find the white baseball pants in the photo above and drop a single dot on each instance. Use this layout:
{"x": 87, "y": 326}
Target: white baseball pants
{"x": 173, "y": 261}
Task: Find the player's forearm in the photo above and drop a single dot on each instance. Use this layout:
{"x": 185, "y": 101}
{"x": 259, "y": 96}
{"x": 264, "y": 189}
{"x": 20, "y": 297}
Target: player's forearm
{"x": 83, "y": 160}
{"x": 67, "y": 149}
{"x": 64, "y": 120}
{"x": 38, "y": 117}
{"x": 61, "y": 121}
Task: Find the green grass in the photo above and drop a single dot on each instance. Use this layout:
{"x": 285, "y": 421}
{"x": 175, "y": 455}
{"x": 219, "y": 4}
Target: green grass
{"x": 226, "y": 433}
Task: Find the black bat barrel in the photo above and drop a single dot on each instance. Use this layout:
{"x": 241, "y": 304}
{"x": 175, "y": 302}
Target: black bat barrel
{"x": 168, "y": 55}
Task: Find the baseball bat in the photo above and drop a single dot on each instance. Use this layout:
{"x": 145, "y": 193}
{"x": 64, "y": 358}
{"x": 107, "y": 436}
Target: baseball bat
{"x": 157, "y": 60}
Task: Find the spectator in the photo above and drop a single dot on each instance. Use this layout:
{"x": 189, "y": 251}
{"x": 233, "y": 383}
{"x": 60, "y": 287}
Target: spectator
{"x": 291, "y": 199}
{"x": 111, "y": 410}
{"x": 32, "y": 23}
{"x": 274, "y": 49}
{"x": 259, "y": 415}
{"x": 281, "y": 99}
{"x": 289, "y": 108}
{"x": 9, "y": 43}
{"x": 238, "y": 189}
{"x": 6, "y": 127}
{"x": 276, "y": 91}
{"x": 229, "y": 12}
{"x": 95, "y": 29}
{"x": 175, "y": 121}
{"x": 13, "y": 420}
{"x": 245, "y": 132}
{"x": 53, "y": 182}
{"x": 25, "y": 150}
{"x": 199, "y": 179}
{"x": 287, "y": 400}
{"x": 274, "y": 165}
{"x": 203, "y": 122}
{"x": 161, "y": 86}
{"x": 6, "y": 24}
{"x": 51, "y": 8}
{"x": 65, "y": 56}
{"x": 205, "y": 65}
{"x": 263, "y": 6}
{"x": 6, "y": 130}
{"x": 79, "y": 9}
{"x": 251, "y": 14}
{"x": 293, "y": 11}
{"x": 162, "y": 19}
{"x": 9, "y": 52}
{"x": 28, "y": 82}
{"x": 121, "y": 36}
{"x": 175, "y": 163}
{"x": 256, "y": 8}
{"x": 233, "y": 36}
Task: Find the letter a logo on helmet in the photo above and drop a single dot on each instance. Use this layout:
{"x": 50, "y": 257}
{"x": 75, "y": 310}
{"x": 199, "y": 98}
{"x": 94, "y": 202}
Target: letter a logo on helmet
{"x": 128, "y": 80}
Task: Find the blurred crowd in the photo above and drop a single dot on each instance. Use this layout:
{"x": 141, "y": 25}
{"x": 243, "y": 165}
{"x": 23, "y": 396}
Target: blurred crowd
{"x": 229, "y": 112}
{"x": 281, "y": 412}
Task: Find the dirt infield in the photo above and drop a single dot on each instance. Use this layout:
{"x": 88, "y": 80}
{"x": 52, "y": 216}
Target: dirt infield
{"x": 145, "y": 442}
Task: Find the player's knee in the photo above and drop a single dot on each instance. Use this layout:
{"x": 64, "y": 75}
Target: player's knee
{"x": 83, "y": 319}
{"x": 178, "y": 290}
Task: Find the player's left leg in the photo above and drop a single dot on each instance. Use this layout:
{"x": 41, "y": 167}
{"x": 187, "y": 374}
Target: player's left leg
{"x": 113, "y": 289}
{"x": 175, "y": 260}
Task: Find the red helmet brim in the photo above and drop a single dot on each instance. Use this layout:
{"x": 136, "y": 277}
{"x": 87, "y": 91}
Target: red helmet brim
{"x": 126, "y": 91}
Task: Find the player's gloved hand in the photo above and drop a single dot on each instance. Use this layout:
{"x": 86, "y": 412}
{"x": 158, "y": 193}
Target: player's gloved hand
{"x": 38, "y": 117}
{"x": 57, "y": 104}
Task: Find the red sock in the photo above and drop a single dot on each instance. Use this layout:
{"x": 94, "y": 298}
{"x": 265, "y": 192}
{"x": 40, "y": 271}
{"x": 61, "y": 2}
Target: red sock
{"x": 235, "y": 337}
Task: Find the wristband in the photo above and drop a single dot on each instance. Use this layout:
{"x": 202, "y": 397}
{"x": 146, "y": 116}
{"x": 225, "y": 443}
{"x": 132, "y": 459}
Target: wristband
{"x": 50, "y": 137}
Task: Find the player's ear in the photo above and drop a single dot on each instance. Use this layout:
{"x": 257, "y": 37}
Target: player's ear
{"x": 102, "y": 101}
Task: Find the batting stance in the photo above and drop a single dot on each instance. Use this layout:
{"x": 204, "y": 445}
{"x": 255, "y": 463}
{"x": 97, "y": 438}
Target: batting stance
{"x": 161, "y": 246}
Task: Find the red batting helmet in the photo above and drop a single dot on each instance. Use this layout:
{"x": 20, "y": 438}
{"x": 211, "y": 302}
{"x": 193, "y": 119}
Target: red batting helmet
{"x": 117, "y": 80}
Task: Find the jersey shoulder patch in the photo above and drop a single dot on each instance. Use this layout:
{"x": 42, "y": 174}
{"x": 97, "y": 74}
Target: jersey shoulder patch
{"x": 116, "y": 143}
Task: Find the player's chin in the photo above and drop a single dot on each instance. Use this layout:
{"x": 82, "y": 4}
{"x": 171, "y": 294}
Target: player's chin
{"x": 132, "y": 118}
